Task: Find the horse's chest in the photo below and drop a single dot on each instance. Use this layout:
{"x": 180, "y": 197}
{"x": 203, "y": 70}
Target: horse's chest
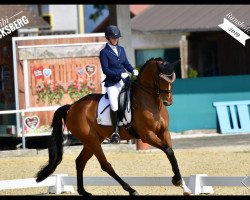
{"x": 150, "y": 120}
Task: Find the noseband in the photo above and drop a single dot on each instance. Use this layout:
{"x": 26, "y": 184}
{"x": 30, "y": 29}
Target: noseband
{"x": 166, "y": 78}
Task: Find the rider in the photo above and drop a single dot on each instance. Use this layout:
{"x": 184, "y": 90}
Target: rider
{"x": 114, "y": 62}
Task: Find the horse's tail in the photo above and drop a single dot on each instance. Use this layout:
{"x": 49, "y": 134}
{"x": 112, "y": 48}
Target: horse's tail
{"x": 55, "y": 147}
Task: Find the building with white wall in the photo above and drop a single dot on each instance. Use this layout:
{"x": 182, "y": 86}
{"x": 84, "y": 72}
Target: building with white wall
{"x": 68, "y": 17}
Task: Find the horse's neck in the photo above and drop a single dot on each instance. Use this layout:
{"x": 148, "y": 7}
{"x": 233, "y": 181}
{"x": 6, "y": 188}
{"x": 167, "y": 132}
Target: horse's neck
{"x": 145, "y": 90}
{"x": 148, "y": 77}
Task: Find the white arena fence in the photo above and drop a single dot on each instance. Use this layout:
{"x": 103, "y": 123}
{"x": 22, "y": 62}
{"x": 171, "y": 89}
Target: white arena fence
{"x": 60, "y": 183}
{"x": 23, "y": 112}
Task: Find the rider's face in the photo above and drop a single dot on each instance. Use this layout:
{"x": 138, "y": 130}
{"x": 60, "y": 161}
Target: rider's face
{"x": 114, "y": 41}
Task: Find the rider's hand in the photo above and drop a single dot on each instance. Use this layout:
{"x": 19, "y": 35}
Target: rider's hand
{"x": 124, "y": 75}
{"x": 135, "y": 72}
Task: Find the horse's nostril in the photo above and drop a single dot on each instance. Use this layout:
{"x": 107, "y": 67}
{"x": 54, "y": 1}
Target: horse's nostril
{"x": 166, "y": 103}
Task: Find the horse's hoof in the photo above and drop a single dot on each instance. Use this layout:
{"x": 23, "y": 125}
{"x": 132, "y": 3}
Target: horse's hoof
{"x": 176, "y": 183}
{"x": 187, "y": 193}
{"x": 135, "y": 193}
{"x": 84, "y": 193}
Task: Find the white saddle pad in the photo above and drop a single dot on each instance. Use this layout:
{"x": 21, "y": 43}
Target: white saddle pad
{"x": 103, "y": 116}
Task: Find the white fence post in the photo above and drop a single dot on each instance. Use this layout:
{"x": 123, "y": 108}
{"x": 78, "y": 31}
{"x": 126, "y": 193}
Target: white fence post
{"x": 59, "y": 187}
{"x": 60, "y": 183}
{"x": 194, "y": 184}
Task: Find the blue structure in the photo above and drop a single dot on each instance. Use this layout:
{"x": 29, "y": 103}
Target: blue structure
{"x": 193, "y": 100}
{"x": 233, "y": 116}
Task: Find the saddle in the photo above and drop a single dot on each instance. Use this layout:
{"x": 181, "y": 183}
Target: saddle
{"x": 124, "y": 109}
{"x": 124, "y": 100}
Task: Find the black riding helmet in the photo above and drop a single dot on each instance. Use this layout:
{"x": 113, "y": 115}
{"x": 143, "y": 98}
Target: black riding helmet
{"x": 112, "y": 31}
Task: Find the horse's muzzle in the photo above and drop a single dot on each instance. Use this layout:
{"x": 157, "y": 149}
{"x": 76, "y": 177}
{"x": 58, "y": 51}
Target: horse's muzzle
{"x": 166, "y": 103}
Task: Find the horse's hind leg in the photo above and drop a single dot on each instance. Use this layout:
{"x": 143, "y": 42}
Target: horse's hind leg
{"x": 106, "y": 166}
{"x": 81, "y": 161}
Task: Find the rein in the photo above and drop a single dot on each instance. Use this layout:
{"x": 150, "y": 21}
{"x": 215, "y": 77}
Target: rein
{"x": 158, "y": 91}
{"x": 165, "y": 72}
{"x": 146, "y": 89}
{"x": 152, "y": 91}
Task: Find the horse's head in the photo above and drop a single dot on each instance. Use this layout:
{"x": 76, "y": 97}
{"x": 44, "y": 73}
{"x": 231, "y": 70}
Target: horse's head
{"x": 157, "y": 76}
{"x": 166, "y": 76}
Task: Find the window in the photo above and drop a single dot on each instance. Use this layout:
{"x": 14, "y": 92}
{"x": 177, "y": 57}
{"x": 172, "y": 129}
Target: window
{"x": 170, "y": 55}
{"x": 48, "y": 18}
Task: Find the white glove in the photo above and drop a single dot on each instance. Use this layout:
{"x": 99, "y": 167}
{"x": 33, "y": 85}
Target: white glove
{"x": 124, "y": 75}
{"x": 135, "y": 72}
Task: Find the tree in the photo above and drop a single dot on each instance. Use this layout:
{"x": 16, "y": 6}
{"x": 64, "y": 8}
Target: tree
{"x": 99, "y": 11}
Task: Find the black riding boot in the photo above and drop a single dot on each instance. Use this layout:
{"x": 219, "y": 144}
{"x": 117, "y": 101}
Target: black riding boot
{"x": 115, "y": 138}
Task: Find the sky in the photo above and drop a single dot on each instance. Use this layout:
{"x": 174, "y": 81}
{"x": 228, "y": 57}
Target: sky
{"x": 90, "y": 24}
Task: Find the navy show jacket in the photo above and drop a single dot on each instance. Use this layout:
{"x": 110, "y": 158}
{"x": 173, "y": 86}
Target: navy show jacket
{"x": 112, "y": 65}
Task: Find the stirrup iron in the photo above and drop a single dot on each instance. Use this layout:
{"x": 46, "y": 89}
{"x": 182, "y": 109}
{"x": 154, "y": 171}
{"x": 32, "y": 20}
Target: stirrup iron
{"x": 115, "y": 138}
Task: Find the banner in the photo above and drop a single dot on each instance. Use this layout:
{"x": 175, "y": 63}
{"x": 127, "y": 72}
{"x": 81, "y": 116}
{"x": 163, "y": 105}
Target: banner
{"x": 234, "y": 31}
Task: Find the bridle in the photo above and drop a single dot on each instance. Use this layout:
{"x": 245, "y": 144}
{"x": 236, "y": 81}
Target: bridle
{"x": 170, "y": 81}
{"x": 158, "y": 92}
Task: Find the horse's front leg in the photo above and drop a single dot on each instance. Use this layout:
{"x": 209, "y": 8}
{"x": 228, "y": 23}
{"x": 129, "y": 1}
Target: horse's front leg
{"x": 165, "y": 145}
{"x": 177, "y": 180}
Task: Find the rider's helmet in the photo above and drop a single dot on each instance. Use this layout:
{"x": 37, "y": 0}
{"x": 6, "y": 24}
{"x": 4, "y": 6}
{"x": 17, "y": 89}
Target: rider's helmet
{"x": 112, "y": 31}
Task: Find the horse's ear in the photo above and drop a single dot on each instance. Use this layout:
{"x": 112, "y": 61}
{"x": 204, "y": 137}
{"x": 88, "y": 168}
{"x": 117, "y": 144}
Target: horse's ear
{"x": 176, "y": 62}
{"x": 161, "y": 65}
{"x": 168, "y": 68}
{"x": 172, "y": 65}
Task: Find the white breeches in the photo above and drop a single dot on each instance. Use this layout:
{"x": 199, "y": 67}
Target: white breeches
{"x": 113, "y": 93}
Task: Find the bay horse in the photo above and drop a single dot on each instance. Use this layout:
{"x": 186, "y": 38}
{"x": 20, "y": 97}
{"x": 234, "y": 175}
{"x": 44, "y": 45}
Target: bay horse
{"x": 151, "y": 93}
